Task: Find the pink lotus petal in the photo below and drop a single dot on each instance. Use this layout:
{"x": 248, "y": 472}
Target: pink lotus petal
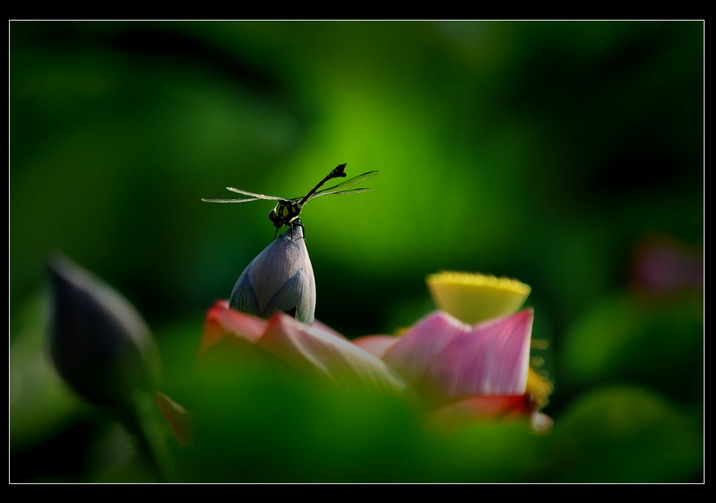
{"x": 334, "y": 358}
{"x": 376, "y": 345}
{"x": 490, "y": 408}
{"x": 179, "y": 419}
{"x": 491, "y": 359}
{"x": 325, "y": 328}
{"x": 485, "y": 407}
{"x": 222, "y": 322}
{"x": 415, "y": 351}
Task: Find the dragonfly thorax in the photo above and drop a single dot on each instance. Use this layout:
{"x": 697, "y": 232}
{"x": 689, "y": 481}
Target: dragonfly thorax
{"x": 284, "y": 213}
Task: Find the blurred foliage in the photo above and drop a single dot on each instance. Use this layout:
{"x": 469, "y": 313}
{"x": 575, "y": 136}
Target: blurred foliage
{"x": 543, "y": 151}
{"x": 625, "y": 434}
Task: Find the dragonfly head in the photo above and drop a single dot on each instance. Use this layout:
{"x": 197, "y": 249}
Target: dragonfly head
{"x": 284, "y": 213}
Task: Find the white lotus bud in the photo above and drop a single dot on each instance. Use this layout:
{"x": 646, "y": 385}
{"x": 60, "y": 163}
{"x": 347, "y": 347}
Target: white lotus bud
{"x": 279, "y": 279}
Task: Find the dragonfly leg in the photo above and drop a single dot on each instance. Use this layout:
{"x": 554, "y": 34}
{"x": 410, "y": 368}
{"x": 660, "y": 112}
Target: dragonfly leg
{"x": 296, "y": 222}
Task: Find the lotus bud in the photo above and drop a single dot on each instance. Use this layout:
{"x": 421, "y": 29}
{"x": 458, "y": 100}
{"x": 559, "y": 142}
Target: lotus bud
{"x": 98, "y": 342}
{"x": 279, "y": 279}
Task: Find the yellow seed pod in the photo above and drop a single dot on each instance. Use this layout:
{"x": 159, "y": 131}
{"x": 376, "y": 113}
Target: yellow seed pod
{"x": 472, "y": 297}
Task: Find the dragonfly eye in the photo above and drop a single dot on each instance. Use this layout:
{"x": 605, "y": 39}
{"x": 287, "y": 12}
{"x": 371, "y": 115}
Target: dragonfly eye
{"x": 275, "y": 218}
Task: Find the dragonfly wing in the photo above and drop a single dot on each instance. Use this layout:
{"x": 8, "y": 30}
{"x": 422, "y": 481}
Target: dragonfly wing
{"x": 254, "y": 195}
{"x": 342, "y": 192}
{"x": 341, "y": 187}
{"x": 351, "y": 182}
{"x": 224, "y": 200}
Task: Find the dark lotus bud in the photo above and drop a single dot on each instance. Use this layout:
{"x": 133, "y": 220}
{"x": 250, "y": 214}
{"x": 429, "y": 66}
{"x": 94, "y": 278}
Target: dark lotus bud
{"x": 99, "y": 344}
{"x": 279, "y": 279}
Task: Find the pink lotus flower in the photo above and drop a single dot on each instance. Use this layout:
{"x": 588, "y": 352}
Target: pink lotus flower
{"x": 449, "y": 360}
{"x": 459, "y": 371}
{"x": 465, "y": 372}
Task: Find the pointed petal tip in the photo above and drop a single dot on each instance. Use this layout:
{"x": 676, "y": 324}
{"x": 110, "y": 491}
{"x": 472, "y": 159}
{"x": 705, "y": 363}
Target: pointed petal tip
{"x": 377, "y": 345}
{"x": 180, "y": 420}
{"x": 438, "y": 319}
{"x": 223, "y": 322}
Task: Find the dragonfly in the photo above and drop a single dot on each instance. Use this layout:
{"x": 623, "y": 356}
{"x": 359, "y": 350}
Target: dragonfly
{"x": 287, "y": 211}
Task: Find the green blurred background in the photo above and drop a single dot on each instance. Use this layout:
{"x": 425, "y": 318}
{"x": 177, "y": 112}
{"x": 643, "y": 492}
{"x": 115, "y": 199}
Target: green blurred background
{"x": 558, "y": 153}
